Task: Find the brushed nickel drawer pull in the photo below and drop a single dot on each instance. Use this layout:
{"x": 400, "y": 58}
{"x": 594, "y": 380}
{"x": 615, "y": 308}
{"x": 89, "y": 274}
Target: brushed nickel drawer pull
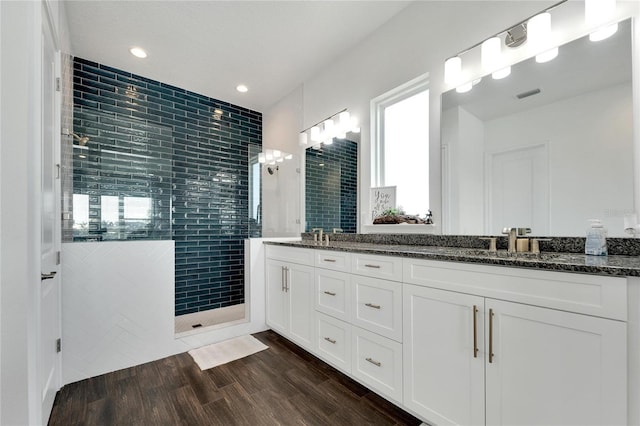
{"x": 328, "y": 339}
{"x": 475, "y": 332}
{"x": 372, "y": 266}
{"x": 371, "y": 305}
{"x": 491, "y": 355}
{"x": 329, "y": 293}
{"x": 374, "y": 362}
{"x": 329, "y": 260}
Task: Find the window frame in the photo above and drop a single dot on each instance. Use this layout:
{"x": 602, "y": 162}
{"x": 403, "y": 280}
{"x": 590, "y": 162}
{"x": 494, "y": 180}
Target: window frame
{"x": 378, "y": 106}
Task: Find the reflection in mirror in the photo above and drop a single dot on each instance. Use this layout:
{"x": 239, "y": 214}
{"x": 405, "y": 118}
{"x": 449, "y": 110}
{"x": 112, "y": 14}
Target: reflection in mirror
{"x": 548, "y": 148}
{"x": 331, "y": 186}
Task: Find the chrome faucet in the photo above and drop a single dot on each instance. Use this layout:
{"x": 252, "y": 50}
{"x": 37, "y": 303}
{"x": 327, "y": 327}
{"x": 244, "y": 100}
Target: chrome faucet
{"x": 513, "y": 234}
{"x": 315, "y": 237}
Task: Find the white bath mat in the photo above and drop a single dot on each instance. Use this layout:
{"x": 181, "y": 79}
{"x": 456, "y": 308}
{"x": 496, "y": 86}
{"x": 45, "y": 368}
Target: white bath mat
{"x": 223, "y": 352}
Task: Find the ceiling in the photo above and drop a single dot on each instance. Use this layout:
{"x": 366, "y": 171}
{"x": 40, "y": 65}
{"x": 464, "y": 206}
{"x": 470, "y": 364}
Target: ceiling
{"x": 209, "y": 47}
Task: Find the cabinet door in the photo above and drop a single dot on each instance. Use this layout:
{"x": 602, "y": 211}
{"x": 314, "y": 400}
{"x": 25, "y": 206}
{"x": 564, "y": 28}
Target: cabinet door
{"x": 443, "y": 375}
{"x": 299, "y": 288}
{"x": 277, "y": 315}
{"x": 554, "y": 368}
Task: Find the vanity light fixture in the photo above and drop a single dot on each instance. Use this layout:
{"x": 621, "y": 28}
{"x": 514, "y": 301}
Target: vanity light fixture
{"x": 138, "y": 52}
{"x": 324, "y": 132}
{"x": 535, "y": 30}
{"x": 273, "y": 156}
{"x": 599, "y": 13}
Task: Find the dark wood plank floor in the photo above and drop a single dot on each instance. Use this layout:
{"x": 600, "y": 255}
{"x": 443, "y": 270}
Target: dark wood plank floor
{"x": 282, "y": 385}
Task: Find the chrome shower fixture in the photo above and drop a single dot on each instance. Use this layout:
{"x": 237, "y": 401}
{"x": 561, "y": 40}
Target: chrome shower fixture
{"x": 82, "y": 140}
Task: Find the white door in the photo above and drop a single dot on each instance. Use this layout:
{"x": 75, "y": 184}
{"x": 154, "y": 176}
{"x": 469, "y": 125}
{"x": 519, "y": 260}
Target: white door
{"x": 518, "y": 189}
{"x": 276, "y": 296}
{"x": 299, "y": 287}
{"x": 49, "y": 309}
{"x": 554, "y": 368}
{"x": 443, "y": 373}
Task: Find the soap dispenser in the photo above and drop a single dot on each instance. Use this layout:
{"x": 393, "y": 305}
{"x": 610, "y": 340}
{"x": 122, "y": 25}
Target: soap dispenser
{"x": 596, "y": 242}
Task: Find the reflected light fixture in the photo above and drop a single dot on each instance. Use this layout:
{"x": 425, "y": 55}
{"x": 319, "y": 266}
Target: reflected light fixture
{"x": 539, "y": 37}
{"x": 273, "y": 156}
{"x": 599, "y": 13}
{"x": 324, "y": 132}
{"x": 242, "y": 88}
{"x": 138, "y": 52}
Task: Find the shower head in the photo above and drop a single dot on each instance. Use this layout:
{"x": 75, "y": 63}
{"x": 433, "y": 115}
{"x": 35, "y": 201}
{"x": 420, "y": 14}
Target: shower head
{"x": 82, "y": 140}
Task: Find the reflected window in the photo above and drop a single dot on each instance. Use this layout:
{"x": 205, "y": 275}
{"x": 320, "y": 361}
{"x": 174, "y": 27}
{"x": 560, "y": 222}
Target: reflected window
{"x": 80, "y": 214}
{"x": 401, "y": 157}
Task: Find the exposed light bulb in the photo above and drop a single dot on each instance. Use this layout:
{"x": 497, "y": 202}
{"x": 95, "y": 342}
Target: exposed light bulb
{"x": 464, "y": 88}
{"x": 491, "y": 55}
{"x": 303, "y": 139}
{"x": 539, "y": 37}
{"x": 599, "y": 13}
{"x": 315, "y": 134}
{"x": 453, "y": 70}
{"x": 504, "y": 72}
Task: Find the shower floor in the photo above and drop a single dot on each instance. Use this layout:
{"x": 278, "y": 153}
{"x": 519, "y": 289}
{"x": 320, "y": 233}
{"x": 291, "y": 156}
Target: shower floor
{"x": 214, "y": 317}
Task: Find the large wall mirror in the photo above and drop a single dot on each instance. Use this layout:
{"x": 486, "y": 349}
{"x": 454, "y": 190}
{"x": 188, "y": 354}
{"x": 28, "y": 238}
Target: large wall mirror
{"x": 331, "y": 185}
{"x": 548, "y": 147}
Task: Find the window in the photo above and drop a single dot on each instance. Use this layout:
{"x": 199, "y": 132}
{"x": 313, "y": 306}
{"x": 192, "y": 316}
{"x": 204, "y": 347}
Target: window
{"x": 401, "y": 144}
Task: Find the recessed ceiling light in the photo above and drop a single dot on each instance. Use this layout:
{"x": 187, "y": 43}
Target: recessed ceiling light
{"x": 242, "y": 88}
{"x": 138, "y": 52}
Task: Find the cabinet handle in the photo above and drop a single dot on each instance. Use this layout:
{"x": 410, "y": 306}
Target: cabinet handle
{"x": 286, "y": 281}
{"x": 374, "y": 362}
{"x": 329, "y": 260}
{"x": 329, "y": 293}
{"x": 475, "y": 332}
{"x": 491, "y": 355}
{"x": 371, "y": 305}
{"x": 284, "y": 278}
{"x": 372, "y": 266}
{"x": 48, "y": 276}
{"x": 328, "y": 339}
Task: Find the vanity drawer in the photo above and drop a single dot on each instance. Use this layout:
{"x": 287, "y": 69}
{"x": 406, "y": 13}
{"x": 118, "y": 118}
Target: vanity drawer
{"x": 334, "y": 341}
{"x": 290, "y": 254}
{"x": 377, "y": 306}
{"x": 333, "y": 293}
{"x": 335, "y": 260}
{"x": 596, "y": 295}
{"x": 385, "y": 267}
{"x": 377, "y": 362}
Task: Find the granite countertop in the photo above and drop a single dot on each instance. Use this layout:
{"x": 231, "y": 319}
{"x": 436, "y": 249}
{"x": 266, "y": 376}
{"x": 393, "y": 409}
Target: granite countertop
{"x": 613, "y": 265}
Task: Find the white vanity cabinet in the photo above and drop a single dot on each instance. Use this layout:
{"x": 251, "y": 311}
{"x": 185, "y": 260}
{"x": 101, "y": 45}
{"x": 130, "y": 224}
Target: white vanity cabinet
{"x": 289, "y": 292}
{"x": 471, "y": 359}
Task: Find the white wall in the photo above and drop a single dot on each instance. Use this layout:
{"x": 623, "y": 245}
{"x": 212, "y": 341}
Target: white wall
{"x": 118, "y": 305}
{"x": 417, "y": 40}
{"x": 19, "y": 263}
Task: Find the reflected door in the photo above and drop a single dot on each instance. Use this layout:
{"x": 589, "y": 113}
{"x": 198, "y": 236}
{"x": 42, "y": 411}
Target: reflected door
{"x": 517, "y": 188}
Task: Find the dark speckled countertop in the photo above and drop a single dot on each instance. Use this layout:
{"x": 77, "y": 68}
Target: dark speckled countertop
{"x": 613, "y": 265}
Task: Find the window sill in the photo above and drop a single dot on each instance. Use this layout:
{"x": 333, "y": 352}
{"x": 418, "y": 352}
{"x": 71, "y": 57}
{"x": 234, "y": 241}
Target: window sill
{"x": 401, "y": 228}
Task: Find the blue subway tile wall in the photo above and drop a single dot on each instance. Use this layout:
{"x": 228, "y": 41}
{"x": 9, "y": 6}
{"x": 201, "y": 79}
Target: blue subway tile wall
{"x": 190, "y": 155}
{"x": 331, "y": 184}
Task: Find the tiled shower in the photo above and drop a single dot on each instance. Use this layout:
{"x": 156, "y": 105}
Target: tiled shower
{"x": 159, "y": 163}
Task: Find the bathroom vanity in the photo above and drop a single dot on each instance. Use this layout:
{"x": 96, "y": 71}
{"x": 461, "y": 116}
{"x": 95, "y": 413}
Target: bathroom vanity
{"x": 462, "y": 336}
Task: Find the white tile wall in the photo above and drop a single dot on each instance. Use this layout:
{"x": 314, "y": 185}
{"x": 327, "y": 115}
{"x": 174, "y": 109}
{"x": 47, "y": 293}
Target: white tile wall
{"x": 118, "y": 306}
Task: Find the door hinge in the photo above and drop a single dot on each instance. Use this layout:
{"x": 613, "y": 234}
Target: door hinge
{"x": 58, "y": 84}
{"x": 59, "y": 345}
{"x": 58, "y": 255}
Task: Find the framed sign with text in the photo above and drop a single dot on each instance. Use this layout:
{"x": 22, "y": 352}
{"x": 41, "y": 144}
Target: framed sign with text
{"x": 383, "y": 198}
